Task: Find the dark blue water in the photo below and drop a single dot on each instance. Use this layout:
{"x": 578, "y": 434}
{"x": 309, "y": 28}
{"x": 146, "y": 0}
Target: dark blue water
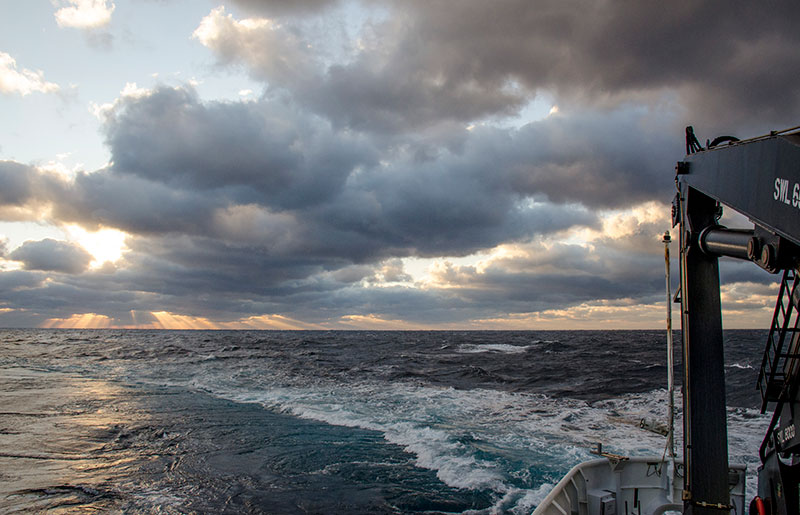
{"x": 330, "y": 422}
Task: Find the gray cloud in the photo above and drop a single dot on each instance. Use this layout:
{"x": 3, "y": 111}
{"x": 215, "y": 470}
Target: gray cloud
{"x": 15, "y": 186}
{"x": 283, "y": 7}
{"x": 556, "y": 277}
{"x": 17, "y": 279}
{"x": 733, "y": 270}
{"x": 312, "y": 189}
{"x": 33, "y": 300}
{"x": 243, "y": 151}
{"x": 204, "y": 277}
{"x": 299, "y": 214}
{"x": 52, "y": 255}
{"x": 26, "y": 191}
{"x": 725, "y": 67}
{"x": 358, "y": 155}
{"x": 132, "y": 204}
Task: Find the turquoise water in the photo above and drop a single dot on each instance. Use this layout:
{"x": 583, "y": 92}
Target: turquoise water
{"x": 330, "y": 422}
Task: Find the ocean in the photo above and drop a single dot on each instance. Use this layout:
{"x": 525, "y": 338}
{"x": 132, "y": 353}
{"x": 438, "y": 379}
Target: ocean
{"x": 134, "y": 421}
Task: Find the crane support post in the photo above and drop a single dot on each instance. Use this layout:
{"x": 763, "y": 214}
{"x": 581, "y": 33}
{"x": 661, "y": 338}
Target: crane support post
{"x": 705, "y": 424}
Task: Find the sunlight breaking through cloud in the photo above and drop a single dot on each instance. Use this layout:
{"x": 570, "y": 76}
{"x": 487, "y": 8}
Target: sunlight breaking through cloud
{"x": 105, "y": 245}
{"x": 80, "y": 321}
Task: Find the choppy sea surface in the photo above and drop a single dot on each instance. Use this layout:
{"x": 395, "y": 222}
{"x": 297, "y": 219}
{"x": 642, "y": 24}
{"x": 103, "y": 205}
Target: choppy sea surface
{"x": 332, "y": 422}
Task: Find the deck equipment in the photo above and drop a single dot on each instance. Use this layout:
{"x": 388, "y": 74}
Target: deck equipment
{"x": 760, "y": 179}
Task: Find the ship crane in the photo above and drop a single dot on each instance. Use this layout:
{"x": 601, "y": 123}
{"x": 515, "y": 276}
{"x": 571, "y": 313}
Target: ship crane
{"x": 759, "y": 178}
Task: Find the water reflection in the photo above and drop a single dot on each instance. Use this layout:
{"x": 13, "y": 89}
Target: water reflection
{"x": 64, "y": 441}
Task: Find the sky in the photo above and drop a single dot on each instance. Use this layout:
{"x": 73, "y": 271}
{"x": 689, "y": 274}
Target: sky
{"x": 383, "y": 164}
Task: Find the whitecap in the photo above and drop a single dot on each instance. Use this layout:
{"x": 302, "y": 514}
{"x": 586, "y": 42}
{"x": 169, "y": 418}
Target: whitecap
{"x": 504, "y": 348}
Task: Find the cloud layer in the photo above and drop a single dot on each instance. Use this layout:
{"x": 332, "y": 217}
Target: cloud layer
{"x": 404, "y": 138}
{"x": 417, "y": 64}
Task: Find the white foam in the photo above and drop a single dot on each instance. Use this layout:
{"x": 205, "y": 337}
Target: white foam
{"x": 488, "y": 439}
{"x": 532, "y": 498}
{"x": 504, "y": 348}
{"x": 434, "y": 449}
{"x": 431, "y": 423}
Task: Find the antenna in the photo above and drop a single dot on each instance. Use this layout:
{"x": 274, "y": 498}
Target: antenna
{"x": 670, "y": 364}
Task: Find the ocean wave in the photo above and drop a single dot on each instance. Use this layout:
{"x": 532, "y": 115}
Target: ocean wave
{"x": 432, "y": 399}
{"x": 504, "y": 348}
{"x": 454, "y": 432}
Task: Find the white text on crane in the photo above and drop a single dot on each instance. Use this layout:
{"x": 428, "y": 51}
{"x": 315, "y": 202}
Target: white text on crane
{"x": 781, "y": 193}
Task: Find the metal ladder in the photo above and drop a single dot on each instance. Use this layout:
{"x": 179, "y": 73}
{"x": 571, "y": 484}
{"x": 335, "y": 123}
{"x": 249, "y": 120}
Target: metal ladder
{"x": 779, "y": 366}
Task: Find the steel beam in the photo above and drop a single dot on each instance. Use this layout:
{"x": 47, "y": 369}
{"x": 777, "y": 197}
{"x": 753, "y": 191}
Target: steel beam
{"x": 758, "y": 178}
{"x": 705, "y": 424}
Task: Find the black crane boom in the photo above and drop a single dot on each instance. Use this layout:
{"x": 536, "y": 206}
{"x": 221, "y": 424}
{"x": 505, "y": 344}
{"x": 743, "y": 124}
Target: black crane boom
{"x": 759, "y": 178}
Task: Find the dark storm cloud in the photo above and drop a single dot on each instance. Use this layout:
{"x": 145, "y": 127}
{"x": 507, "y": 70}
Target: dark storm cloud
{"x": 737, "y": 56}
{"x": 184, "y": 265}
{"x": 404, "y": 93}
{"x": 37, "y": 299}
{"x": 18, "y": 279}
{"x": 609, "y": 159}
{"x": 547, "y": 279}
{"x": 388, "y": 87}
{"x": 422, "y": 64}
{"x": 556, "y": 277}
{"x": 244, "y": 151}
{"x": 358, "y": 154}
{"x": 132, "y": 204}
{"x": 263, "y": 175}
{"x": 734, "y": 270}
{"x": 306, "y": 188}
{"x": 52, "y": 255}
{"x": 300, "y": 213}
{"x": 26, "y": 192}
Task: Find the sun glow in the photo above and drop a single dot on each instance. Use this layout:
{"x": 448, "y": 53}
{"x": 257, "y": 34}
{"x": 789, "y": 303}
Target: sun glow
{"x": 175, "y": 321}
{"x": 378, "y": 323}
{"x": 267, "y": 322}
{"x": 79, "y": 321}
{"x": 167, "y": 320}
{"x": 105, "y": 245}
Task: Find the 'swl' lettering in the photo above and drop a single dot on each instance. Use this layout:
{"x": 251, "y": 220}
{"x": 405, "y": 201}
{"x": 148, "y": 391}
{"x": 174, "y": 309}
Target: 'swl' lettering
{"x": 781, "y": 193}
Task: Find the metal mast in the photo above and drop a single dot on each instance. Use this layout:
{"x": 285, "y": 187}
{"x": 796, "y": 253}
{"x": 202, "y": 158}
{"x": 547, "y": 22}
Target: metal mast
{"x": 670, "y": 356}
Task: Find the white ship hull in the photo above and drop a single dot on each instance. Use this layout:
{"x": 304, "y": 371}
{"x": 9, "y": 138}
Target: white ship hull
{"x": 640, "y": 486}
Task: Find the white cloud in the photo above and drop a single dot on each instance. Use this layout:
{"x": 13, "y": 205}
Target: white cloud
{"x": 23, "y": 82}
{"x": 85, "y": 14}
{"x": 130, "y": 91}
{"x": 218, "y": 24}
{"x": 271, "y": 50}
